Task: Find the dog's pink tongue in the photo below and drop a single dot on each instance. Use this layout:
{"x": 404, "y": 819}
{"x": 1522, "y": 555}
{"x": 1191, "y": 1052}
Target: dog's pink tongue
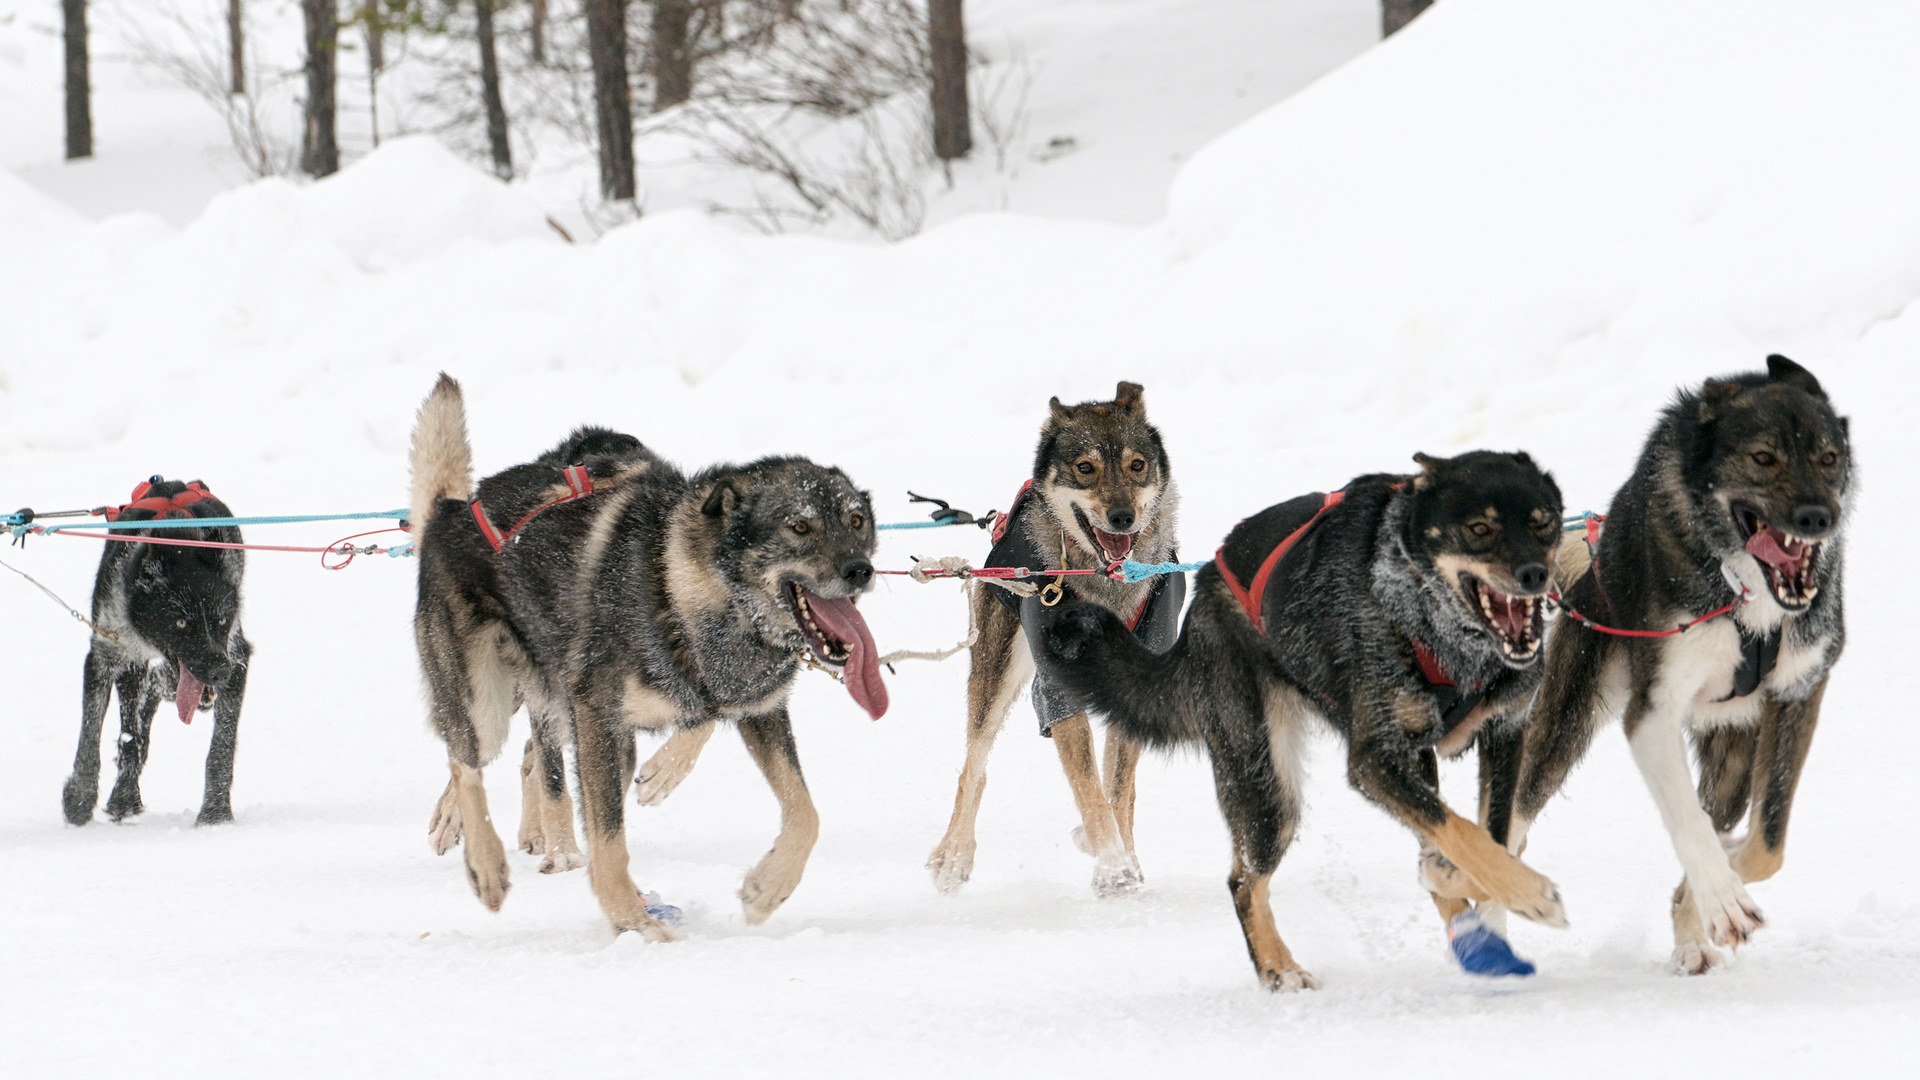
{"x": 1114, "y": 545}
{"x": 862, "y": 673}
{"x": 1764, "y": 547}
{"x": 187, "y": 695}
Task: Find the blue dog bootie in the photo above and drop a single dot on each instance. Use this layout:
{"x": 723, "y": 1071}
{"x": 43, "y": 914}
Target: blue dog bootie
{"x": 662, "y": 910}
{"x": 1480, "y": 950}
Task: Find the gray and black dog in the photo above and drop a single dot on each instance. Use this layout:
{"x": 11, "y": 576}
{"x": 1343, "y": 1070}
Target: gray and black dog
{"x": 168, "y": 619}
{"x": 1102, "y": 490}
{"x": 662, "y": 601}
{"x": 1743, "y": 490}
{"x": 1404, "y": 611}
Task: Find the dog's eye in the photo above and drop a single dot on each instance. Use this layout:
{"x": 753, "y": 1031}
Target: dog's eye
{"x": 857, "y": 521}
{"x": 1085, "y": 467}
{"x": 179, "y": 624}
{"x": 800, "y": 527}
{"x": 1827, "y": 459}
{"x": 1139, "y": 465}
{"x": 1762, "y": 458}
{"x": 1480, "y": 528}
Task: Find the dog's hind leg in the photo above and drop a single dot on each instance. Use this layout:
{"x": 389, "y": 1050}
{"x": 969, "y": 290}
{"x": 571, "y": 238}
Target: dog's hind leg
{"x": 82, "y": 789}
{"x": 138, "y": 703}
{"x": 670, "y": 764}
{"x": 216, "y": 805}
{"x": 1262, "y": 808}
{"x": 769, "y": 739}
{"x": 532, "y": 838}
{"x": 544, "y": 777}
{"x": 605, "y": 755}
{"x": 1001, "y": 665}
{"x": 1115, "y": 871}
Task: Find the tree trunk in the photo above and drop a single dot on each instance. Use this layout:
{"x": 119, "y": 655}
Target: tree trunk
{"x": 612, "y": 96}
{"x": 376, "y": 35}
{"x": 672, "y": 60}
{"x": 319, "y": 153}
{"x": 1395, "y": 14}
{"x": 947, "y": 41}
{"x": 537, "y": 24}
{"x": 237, "y": 48}
{"x": 490, "y": 91}
{"x": 79, "y": 88}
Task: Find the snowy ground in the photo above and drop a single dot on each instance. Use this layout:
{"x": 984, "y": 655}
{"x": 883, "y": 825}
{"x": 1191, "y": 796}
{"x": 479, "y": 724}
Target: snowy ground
{"x": 1519, "y": 224}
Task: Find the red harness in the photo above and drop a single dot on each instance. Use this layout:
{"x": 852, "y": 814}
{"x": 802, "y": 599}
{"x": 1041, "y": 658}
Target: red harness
{"x": 1249, "y": 596}
{"x": 161, "y": 506}
{"x": 579, "y": 486}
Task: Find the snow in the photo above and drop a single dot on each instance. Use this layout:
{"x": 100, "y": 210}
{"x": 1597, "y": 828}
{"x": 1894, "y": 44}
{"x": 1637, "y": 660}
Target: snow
{"x": 1520, "y": 223}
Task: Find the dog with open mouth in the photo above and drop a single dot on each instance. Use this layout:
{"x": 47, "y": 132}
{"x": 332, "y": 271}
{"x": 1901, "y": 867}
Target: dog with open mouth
{"x": 169, "y": 630}
{"x": 1739, "y": 501}
{"x": 1406, "y": 613}
{"x": 1102, "y": 491}
{"x": 663, "y": 602}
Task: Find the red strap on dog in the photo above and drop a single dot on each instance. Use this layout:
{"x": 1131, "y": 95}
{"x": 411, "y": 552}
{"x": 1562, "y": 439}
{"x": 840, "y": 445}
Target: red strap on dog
{"x": 1005, "y": 517}
{"x": 160, "y": 506}
{"x": 1430, "y": 668}
{"x": 1249, "y": 596}
{"x": 579, "y": 486}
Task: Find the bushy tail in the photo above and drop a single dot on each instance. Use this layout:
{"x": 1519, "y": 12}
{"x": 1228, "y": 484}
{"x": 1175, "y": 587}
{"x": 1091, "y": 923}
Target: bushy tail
{"x": 1098, "y": 664}
{"x": 441, "y": 461}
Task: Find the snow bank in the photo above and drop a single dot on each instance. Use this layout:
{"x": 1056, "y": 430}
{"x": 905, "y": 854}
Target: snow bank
{"x": 1519, "y": 224}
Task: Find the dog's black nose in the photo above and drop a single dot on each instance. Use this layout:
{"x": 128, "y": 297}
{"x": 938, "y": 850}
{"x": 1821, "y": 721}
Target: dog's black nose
{"x": 1532, "y": 577}
{"x": 857, "y": 573}
{"x": 1812, "y": 521}
{"x": 1120, "y": 519}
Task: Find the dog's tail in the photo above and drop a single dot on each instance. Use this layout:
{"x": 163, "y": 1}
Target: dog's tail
{"x": 441, "y": 461}
{"x": 1098, "y": 664}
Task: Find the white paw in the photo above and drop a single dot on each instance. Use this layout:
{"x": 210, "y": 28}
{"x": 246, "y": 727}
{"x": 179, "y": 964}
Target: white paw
{"x": 1079, "y": 835}
{"x": 951, "y": 865}
{"x": 1117, "y": 875}
{"x": 655, "y": 782}
{"x": 764, "y": 890}
{"x": 1695, "y": 958}
{"x": 559, "y": 862}
{"x": 443, "y": 832}
{"x": 1727, "y": 913}
{"x": 1289, "y": 981}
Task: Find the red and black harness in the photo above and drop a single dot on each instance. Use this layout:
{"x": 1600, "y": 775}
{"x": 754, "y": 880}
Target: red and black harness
{"x": 1013, "y": 548}
{"x": 579, "y": 486}
{"x": 1261, "y": 542}
{"x": 160, "y": 506}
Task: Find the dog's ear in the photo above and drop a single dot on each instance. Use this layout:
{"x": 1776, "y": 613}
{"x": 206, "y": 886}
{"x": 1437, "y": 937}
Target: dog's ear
{"x": 1428, "y": 465}
{"x": 1782, "y": 370}
{"x": 1060, "y": 414}
{"x": 1714, "y": 397}
{"x": 1127, "y": 396}
{"x": 722, "y": 499}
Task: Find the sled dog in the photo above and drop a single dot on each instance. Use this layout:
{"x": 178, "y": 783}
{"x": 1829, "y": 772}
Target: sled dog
{"x": 1102, "y": 490}
{"x": 664, "y": 602}
{"x": 1406, "y": 613}
{"x": 1740, "y": 498}
{"x": 169, "y": 629}
{"x": 465, "y": 565}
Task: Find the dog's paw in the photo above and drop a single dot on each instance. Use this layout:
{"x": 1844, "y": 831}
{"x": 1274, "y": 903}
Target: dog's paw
{"x": 1695, "y": 958}
{"x": 444, "y": 831}
{"x": 1289, "y": 980}
{"x": 1536, "y": 898}
{"x": 487, "y": 872}
{"x": 532, "y": 840}
{"x": 1117, "y": 875}
{"x": 767, "y": 887}
{"x": 559, "y": 862}
{"x": 951, "y": 865}
{"x": 1079, "y": 836}
{"x": 1439, "y": 876}
{"x": 654, "y": 782}
{"x": 214, "y": 814}
{"x": 1727, "y": 913}
{"x": 124, "y": 804}
{"x": 77, "y": 801}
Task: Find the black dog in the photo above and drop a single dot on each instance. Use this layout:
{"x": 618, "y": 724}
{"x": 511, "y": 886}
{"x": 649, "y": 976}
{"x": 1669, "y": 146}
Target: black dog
{"x": 1405, "y": 611}
{"x": 169, "y": 627}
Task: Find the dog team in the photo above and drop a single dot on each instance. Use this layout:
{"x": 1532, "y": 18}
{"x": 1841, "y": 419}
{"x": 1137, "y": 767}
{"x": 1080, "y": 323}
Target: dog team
{"x": 608, "y": 591}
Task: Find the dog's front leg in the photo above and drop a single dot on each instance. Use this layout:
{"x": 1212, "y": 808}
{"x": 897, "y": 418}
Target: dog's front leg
{"x": 82, "y": 789}
{"x": 216, "y": 805}
{"x": 670, "y": 764}
{"x": 605, "y": 755}
{"x": 1115, "y": 871}
{"x": 769, "y": 739}
{"x": 1724, "y": 910}
{"x": 1383, "y": 767}
{"x": 138, "y": 703}
{"x": 1000, "y": 665}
